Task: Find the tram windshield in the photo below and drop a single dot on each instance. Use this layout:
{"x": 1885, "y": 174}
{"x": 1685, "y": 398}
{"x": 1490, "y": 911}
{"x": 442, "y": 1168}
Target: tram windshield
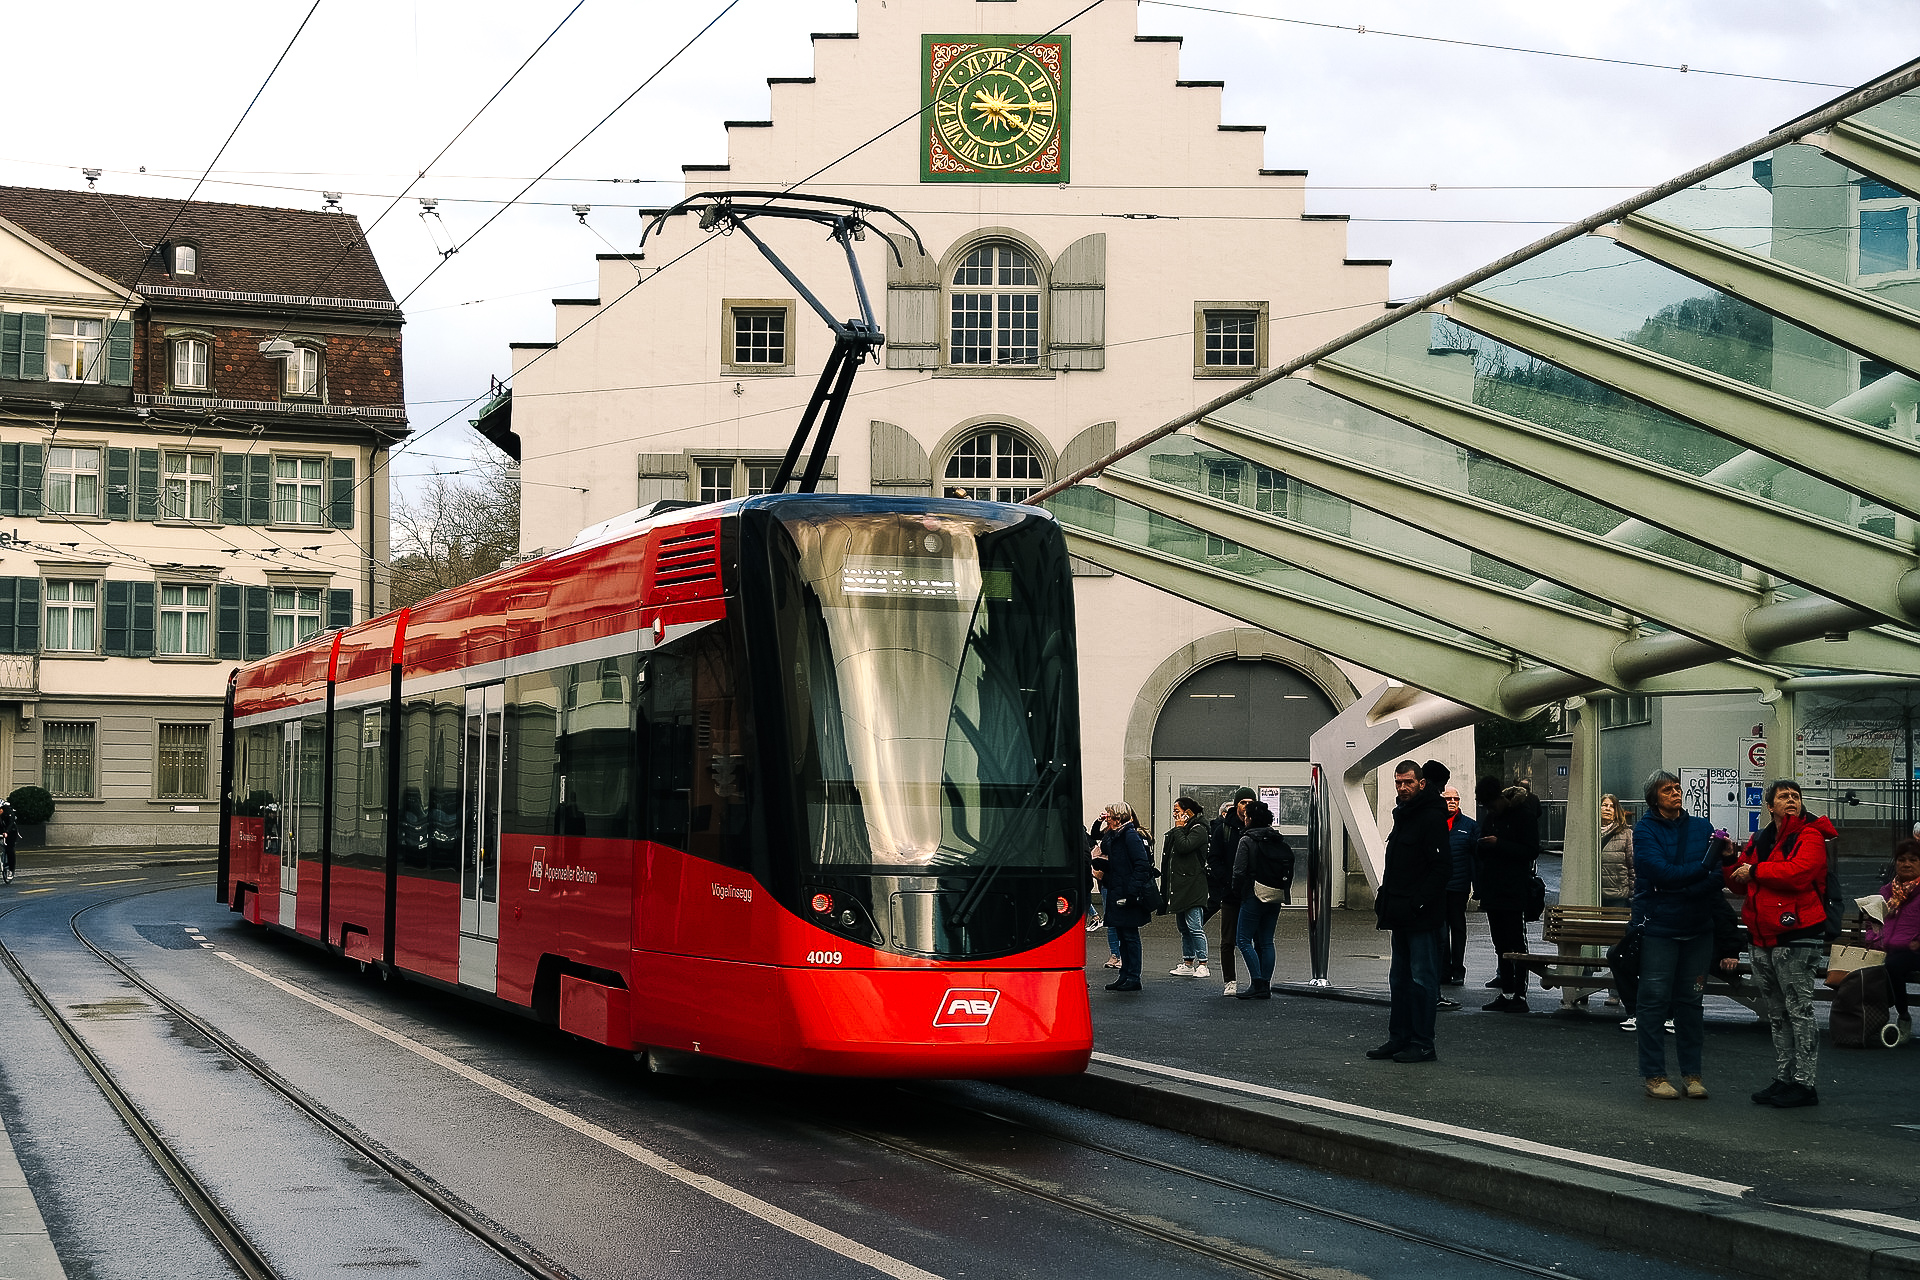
{"x": 926, "y": 659}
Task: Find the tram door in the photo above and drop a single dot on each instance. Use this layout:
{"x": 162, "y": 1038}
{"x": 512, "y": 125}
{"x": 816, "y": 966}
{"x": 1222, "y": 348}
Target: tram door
{"x": 292, "y": 814}
{"x": 481, "y": 758}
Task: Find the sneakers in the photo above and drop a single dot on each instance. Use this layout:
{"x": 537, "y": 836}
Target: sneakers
{"x": 1182, "y": 970}
{"x": 1670, "y": 1030}
{"x": 1658, "y": 1087}
{"x": 1231, "y": 989}
{"x": 1200, "y": 969}
{"x": 1385, "y": 1051}
{"x": 1695, "y": 1088}
{"x": 1448, "y": 1004}
{"x": 1768, "y": 1094}
{"x": 1094, "y": 924}
{"x": 1113, "y": 962}
{"x": 1629, "y": 1024}
{"x": 1795, "y": 1094}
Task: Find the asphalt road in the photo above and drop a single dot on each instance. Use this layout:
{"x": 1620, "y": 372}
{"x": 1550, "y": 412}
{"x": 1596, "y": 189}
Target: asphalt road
{"x": 592, "y": 1164}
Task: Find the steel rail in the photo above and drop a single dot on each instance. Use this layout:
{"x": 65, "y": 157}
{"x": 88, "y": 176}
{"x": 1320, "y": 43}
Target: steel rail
{"x": 494, "y": 1237}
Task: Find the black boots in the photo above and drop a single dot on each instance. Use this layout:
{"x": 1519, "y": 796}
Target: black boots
{"x": 1258, "y": 989}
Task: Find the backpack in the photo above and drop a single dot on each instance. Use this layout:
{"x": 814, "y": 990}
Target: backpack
{"x": 1273, "y": 863}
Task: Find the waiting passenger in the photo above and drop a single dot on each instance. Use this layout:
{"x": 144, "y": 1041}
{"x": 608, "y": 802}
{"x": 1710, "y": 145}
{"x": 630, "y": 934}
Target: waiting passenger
{"x": 1183, "y": 871}
{"x": 1899, "y": 933}
{"x": 1131, "y": 894}
{"x": 1262, "y": 874}
{"x": 1676, "y": 864}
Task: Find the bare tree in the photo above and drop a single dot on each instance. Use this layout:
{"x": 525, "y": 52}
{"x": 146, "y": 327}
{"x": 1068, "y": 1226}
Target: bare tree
{"x": 455, "y": 528}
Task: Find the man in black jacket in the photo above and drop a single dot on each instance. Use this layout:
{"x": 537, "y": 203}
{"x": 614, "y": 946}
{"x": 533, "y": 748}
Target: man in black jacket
{"x": 1223, "y": 839}
{"x": 1412, "y": 904}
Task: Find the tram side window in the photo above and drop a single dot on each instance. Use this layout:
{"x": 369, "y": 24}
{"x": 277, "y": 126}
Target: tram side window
{"x": 666, "y": 745}
{"x": 697, "y": 780}
{"x": 430, "y": 785}
{"x": 256, "y": 755}
{"x": 594, "y": 750}
{"x": 360, "y": 789}
{"x": 533, "y": 715}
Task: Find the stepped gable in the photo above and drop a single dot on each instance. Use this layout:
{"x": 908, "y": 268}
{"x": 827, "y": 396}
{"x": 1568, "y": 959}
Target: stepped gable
{"x": 243, "y": 248}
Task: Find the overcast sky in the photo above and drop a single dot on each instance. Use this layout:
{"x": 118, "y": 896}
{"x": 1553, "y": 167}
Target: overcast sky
{"x": 374, "y": 88}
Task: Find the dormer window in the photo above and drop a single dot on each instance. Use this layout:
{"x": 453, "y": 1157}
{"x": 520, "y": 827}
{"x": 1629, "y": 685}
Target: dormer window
{"x": 302, "y": 376}
{"x": 190, "y": 364}
{"x": 186, "y": 260}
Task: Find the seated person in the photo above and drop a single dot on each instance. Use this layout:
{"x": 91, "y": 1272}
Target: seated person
{"x": 1899, "y": 934}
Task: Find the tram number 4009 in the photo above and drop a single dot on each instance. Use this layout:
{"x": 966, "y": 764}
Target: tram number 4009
{"x": 823, "y": 957}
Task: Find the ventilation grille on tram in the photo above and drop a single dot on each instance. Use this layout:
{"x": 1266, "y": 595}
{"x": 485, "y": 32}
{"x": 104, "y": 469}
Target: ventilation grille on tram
{"x": 687, "y": 561}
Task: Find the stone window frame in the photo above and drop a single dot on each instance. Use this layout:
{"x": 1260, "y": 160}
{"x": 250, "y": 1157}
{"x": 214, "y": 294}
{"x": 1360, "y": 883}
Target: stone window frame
{"x": 185, "y": 583}
{"x": 92, "y": 724}
{"x": 97, "y": 578}
{"x": 1043, "y": 269}
{"x": 209, "y": 765}
{"x": 1201, "y": 369}
{"x": 100, "y": 489}
{"x": 318, "y": 348}
{"x": 174, "y": 337}
{"x": 1036, "y": 442}
{"x": 729, "y": 308}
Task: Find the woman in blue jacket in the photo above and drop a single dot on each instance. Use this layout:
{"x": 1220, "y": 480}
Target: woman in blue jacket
{"x": 1131, "y": 891}
{"x": 1676, "y": 868}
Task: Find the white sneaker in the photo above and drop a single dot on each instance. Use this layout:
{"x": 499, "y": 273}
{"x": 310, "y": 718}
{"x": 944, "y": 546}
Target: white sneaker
{"x": 1232, "y": 989}
{"x": 1670, "y": 1030}
{"x": 1200, "y": 970}
{"x": 1630, "y": 1024}
{"x": 1182, "y": 970}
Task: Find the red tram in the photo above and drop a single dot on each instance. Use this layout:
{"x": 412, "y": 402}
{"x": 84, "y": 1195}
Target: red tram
{"x": 792, "y": 780}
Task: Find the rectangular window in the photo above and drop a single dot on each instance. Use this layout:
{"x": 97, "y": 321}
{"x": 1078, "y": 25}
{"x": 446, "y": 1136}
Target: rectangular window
{"x": 298, "y": 487}
{"x": 296, "y": 615}
{"x": 760, "y": 476}
{"x": 760, "y": 337}
{"x": 73, "y": 349}
{"x": 302, "y": 376}
{"x": 73, "y": 480}
{"x": 66, "y": 757}
{"x": 183, "y": 761}
{"x": 1884, "y": 243}
{"x": 1230, "y": 339}
{"x": 70, "y": 616}
{"x": 187, "y": 488}
{"x": 1269, "y": 491}
{"x": 1223, "y": 481}
{"x": 1219, "y": 548}
{"x": 185, "y": 620}
{"x": 1629, "y": 709}
{"x": 716, "y": 481}
{"x": 190, "y": 365}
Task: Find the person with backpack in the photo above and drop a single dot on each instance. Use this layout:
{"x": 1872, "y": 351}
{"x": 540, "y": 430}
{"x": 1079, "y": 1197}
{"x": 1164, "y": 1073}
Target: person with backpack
{"x": 1783, "y": 873}
{"x": 1223, "y": 842}
{"x": 1262, "y": 875}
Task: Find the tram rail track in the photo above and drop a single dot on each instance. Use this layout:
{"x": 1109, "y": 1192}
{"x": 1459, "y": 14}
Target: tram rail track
{"x": 227, "y": 1234}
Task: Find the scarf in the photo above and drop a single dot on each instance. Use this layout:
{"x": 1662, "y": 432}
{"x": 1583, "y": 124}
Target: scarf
{"x": 1898, "y": 892}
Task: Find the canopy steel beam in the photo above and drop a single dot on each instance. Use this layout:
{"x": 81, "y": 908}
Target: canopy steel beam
{"x": 1851, "y": 317}
{"x": 1859, "y": 145}
{"x": 1860, "y": 568}
{"x": 1708, "y": 606}
{"x": 1852, "y": 455}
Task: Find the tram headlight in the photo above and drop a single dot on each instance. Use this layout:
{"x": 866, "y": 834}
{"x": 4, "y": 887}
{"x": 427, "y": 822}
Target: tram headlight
{"x": 822, "y": 903}
{"x": 847, "y": 918}
{"x": 1061, "y": 906}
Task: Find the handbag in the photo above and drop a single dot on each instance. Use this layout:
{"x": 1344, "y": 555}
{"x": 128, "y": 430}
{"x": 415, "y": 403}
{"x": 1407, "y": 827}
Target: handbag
{"x": 1536, "y": 899}
{"x": 1623, "y": 957}
{"x": 1149, "y": 899}
{"x": 1842, "y": 961}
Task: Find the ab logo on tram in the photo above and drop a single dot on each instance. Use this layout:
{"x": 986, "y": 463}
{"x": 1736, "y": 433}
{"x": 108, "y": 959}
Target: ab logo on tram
{"x": 963, "y": 1007}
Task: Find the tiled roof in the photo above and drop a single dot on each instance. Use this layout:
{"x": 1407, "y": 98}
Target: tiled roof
{"x": 244, "y": 248}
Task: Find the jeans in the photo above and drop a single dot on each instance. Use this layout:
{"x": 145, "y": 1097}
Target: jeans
{"x": 1785, "y": 977}
{"x": 1127, "y": 947}
{"x": 1509, "y": 930}
{"x": 1413, "y": 981}
{"x": 1254, "y": 937}
{"x": 1673, "y": 976}
{"x": 1456, "y": 935}
{"x": 1229, "y": 934}
{"x": 1193, "y": 934}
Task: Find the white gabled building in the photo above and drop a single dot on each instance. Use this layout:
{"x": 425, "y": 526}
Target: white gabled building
{"x": 1101, "y": 254}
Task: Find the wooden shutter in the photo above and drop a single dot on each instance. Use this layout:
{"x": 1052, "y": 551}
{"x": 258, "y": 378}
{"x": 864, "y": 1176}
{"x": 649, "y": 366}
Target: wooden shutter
{"x": 9, "y": 479}
{"x": 116, "y": 617}
{"x": 899, "y": 464}
{"x": 119, "y": 484}
{"x": 26, "y": 615}
{"x": 140, "y": 627}
{"x": 32, "y": 476}
{"x": 233, "y": 488}
{"x": 146, "y": 486}
{"x": 33, "y": 347}
{"x": 10, "y": 325}
{"x": 339, "y": 608}
{"x": 226, "y": 623}
{"x": 1077, "y": 306}
{"x": 913, "y": 307}
{"x": 259, "y": 636}
{"x": 119, "y": 353}
{"x": 340, "y": 505}
{"x": 259, "y": 489}
{"x": 9, "y": 597}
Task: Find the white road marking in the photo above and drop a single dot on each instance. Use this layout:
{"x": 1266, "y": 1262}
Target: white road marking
{"x": 1672, "y": 1177}
{"x": 770, "y": 1214}
{"x": 1867, "y": 1217}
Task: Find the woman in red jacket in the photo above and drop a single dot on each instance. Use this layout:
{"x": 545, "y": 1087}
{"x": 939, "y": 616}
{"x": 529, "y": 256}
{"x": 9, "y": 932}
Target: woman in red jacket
{"x": 1783, "y": 872}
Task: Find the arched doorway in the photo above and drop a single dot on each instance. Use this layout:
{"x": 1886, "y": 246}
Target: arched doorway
{"x": 1239, "y": 723}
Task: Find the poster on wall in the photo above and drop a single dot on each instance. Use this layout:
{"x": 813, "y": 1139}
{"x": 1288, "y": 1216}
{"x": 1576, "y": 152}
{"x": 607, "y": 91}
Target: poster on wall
{"x": 1718, "y": 796}
{"x": 1869, "y": 750}
{"x": 1814, "y": 752}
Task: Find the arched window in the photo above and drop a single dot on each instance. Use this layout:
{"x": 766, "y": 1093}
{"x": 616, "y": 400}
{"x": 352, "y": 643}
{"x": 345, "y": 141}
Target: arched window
{"x": 994, "y": 311}
{"x": 994, "y": 465}
{"x": 190, "y": 364}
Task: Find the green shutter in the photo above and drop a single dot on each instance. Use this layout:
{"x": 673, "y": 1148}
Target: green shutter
{"x": 340, "y": 510}
{"x": 146, "y": 492}
{"x": 115, "y": 616}
{"x": 259, "y": 638}
{"x": 226, "y": 628}
{"x": 119, "y": 353}
{"x": 26, "y": 613}
{"x": 31, "y": 478}
{"x": 9, "y": 479}
{"x": 33, "y": 347}
{"x": 339, "y": 608}
{"x": 10, "y": 346}
{"x": 233, "y": 488}
{"x": 119, "y": 484}
{"x": 259, "y": 489}
{"x": 9, "y": 634}
{"x": 140, "y": 630}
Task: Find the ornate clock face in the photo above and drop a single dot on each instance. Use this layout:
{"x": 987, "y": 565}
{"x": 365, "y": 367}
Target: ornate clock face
{"x": 997, "y": 109}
